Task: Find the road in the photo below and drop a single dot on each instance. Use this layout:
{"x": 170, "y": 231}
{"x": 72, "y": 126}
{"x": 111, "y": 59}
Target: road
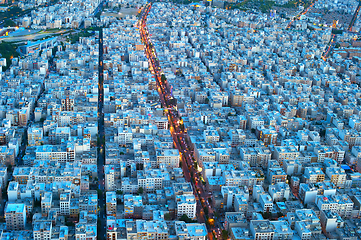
{"x": 180, "y": 136}
{"x": 353, "y": 20}
{"x": 329, "y": 47}
{"x": 298, "y": 17}
{"x": 100, "y": 143}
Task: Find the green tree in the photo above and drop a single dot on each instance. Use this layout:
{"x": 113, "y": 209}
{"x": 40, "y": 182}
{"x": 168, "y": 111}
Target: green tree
{"x": 139, "y": 166}
{"x": 37, "y": 203}
{"x": 205, "y": 210}
{"x": 224, "y": 234}
{"x": 8, "y": 51}
{"x": 70, "y": 224}
{"x": 119, "y": 192}
{"x": 140, "y": 190}
{"x": 167, "y": 216}
{"x": 186, "y": 219}
{"x": 266, "y": 215}
{"x": 206, "y": 100}
{"x": 9, "y": 23}
{"x": 163, "y": 78}
{"x": 195, "y": 165}
{"x": 100, "y": 192}
{"x": 54, "y": 50}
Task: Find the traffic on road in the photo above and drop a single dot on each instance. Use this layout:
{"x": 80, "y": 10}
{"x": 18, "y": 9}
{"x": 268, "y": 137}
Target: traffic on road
{"x": 181, "y": 139}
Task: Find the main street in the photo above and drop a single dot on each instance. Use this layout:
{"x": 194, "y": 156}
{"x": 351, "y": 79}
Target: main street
{"x": 354, "y": 17}
{"x": 100, "y": 142}
{"x": 181, "y": 139}
{"x": 329, "y": 47}
{"x": 298, "y": 17}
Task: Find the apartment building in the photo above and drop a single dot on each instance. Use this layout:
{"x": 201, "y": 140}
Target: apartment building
{"x": 42, "y": 230}
{"x": 64, "y": 200}
{"x": 340, "y": 204}
{"x": 148, "y": 230}
{"x": 276, "y": 175}
{"x": 15, "y": 216}
{"x": 153, "y": 179}
{"x": 229, "y": 193}
{"x": 313, "y": 175}
{"x": 337, "y": 176}
{"x": 279, "y": 192}
{"x": 169, "y": 157}
{"x": 88, "y": 201}
{"x": 210, "y": 135}
{"x": 237, "y": 136}
{"x": 111, "y": 203}
{"x": 186, "y": 204}
{"x": 256, "y": 157}
{"x": 110, "y": 179}
{"x": 266, "y": 202}
{"x": 124, "y": 136}
{"x": 262, "y": 229}
{"x": 194, "y": 231}
{"x": 133, "y": 206}
{"x": 285, "y": 152}
{"x": 46, "y": 203}
{"x": 35, "y": 136}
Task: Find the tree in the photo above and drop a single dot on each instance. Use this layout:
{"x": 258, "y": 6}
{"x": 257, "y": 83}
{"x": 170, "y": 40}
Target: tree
{"x": 37, "y": 203}
{"x": 119, "y": 192}
{"x": 53, "y": 51}
{"x": 70, "y": 224}
{"x": 266, "y": 215}
{"x": 186, "y": 219}
{"x": 139, "y": 166}
{"x": 163, "y": 78}
{"x": 205, "y": 210}
{"x": 224, "y": 234}
{"x": 9, "y": 23}
{"x": 100, "y": 192}
{"x": 140, "y": 190}
{"x": 206, "y": 100}
{"x": 167, "y": 216}
{"x": 8, "y": 51}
